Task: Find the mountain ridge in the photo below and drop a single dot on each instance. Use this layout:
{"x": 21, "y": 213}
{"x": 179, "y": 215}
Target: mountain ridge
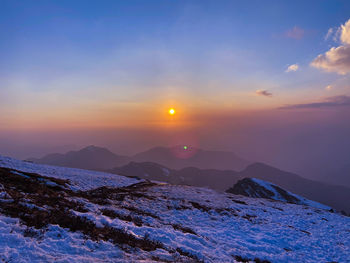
{"x": 257, "y": 188}
{"x": 175, "y": 157}
{"x": 90, "y": 157}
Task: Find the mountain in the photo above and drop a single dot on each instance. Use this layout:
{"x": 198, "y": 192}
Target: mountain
{"x": 210, "y": 178}
{"x": 160, "y": 162}
{"x": 178, "y": 157}
{"x": 90, "y": 157}
{"x": 342, "y": 175}
{"x": 222, "y": 180}
{"x": 257, "y": 188}
{"x": 56, "y": 214}
{"x": 328, "y": 194}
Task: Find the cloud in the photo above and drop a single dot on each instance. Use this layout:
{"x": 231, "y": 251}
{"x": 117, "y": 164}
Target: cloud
{"x": 336, "y": 101}
{"x": 333, "y": 33}
{"x": 264, "y": 93}
{"x": 329, "y": 33}
{"x": 329, "y": 87}
{"x": 295, "y": 33}
{"x": 337, "y": 59}
{"x": 345, "y": 33}
{"x": 292, "y": 68}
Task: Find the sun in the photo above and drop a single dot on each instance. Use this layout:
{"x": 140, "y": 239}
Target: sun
{"x": 172, "y": 111}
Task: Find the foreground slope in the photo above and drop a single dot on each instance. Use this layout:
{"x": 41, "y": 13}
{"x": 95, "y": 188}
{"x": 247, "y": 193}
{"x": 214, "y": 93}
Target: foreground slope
{"x": 47, "y": 216}
{"x": 79, "y": 179}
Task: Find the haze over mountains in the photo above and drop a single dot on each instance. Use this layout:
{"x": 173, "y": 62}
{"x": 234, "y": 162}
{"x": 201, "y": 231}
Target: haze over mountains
{"x": 176, "y": 157}
{"x": 212, "y": 169}
{"x": 90, "y": 157}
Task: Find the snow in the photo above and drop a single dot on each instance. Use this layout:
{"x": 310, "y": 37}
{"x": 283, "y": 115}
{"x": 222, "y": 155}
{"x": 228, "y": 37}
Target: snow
{"x": 80, "y": 179}
{"x": 277, "y": 196}
{"x": 212, "y": 226}
{"x": 54, "y": 245}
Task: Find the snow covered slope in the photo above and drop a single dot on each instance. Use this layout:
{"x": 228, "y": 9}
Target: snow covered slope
{"x": 44, "y": 217}
{"x": 79, "y": 179}
{"x": 257, "y": 188}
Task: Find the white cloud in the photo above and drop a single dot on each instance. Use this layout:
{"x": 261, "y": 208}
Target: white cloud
{"x": 292, "y": 68}
{"x": 345, "y": 33}
{"x": 329, "y": 87}
{"x": 329, "y": 33}
{"x": 337, "y": 59}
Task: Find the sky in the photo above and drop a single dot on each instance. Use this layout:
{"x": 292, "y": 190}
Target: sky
{"x": 269, "y": 80}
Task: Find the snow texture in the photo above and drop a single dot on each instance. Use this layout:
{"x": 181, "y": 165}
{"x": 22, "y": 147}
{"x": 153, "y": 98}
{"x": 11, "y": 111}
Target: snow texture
{"x": 193, "y": 224}
{"x": 277, "y": 196}
{"x": 80, "y": 179}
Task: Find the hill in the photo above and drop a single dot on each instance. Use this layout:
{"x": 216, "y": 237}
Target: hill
{"x": 328, "y": 194}
{"x": 177, "y": 158}
{"x": 257, "y": 188}
{"x": 91, "y": 157}
{"x": 210, "y": 178}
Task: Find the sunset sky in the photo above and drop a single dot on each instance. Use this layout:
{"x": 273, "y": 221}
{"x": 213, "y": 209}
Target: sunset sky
{"x": 79, "y": 72}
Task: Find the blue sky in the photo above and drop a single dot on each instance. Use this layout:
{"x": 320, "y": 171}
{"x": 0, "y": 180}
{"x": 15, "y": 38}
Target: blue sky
{"x": 51, "y": 38}
{"x": 46, "y": 41}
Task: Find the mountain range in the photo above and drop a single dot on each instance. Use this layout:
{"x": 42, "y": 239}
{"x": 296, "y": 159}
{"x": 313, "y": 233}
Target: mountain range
{"x": 177, "y": 157}
{"x": 222, "y": 180}
{"x": 211, "y": 169}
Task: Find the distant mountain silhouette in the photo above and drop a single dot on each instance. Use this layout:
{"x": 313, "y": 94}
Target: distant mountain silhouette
{"x": 211, "y": 178}
{"x": 342, "y": 174}
{"x": 332, "y": 195}
{"x": 177, "y": 157}
{"x": 91, "y": 157}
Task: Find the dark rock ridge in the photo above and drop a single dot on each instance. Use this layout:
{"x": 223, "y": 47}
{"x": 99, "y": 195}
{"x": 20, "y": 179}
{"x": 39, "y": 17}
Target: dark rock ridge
{"x": 256, "y": 188}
